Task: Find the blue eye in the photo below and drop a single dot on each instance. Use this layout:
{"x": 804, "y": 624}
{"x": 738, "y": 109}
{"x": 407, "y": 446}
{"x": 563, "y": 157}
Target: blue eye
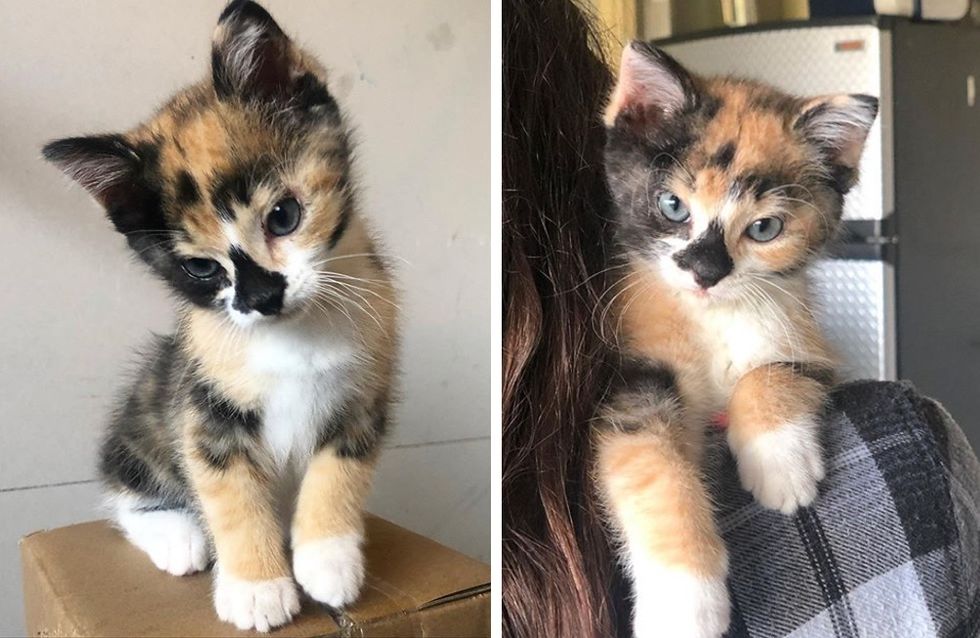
{"x": 672, "y": 207}
{"x": 284, "y": 217}
{"x": 765, "y": 229}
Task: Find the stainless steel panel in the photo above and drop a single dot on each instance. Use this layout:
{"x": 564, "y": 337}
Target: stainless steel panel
{"x": 854, "y": 303}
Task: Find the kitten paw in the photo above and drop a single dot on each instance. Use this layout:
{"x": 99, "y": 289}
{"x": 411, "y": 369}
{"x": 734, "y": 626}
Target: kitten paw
{"x": 261, "y": 604}
{"x": 675, "y": 602}
{"x": 783, "y": 466}
{"x": 172, "y": 539}
{"x": 331, "y": 570}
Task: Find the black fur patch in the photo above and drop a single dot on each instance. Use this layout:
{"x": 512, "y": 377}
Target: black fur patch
{"x": 255, "y": 287}
{"x": 188, "y": 193}
{"x": 842, "y": 178}
{"x": 235, "y": 187}
{"x": 342, "y": 222}
{"x": 247, "y": 10}
{"x": 723, "y": 157}
{"x": 345, "y": 430}
{"x": 707, "y": 257}
{"x": 222, "y": 413}
{"x": 760, "y": 184}
{"x": 333, "y": 426}
{"x": 311, "y": 94}
{"x": 120, "y": 462}
{"x": 226, "y": 430}
{"x": 134, "y": 455}
{"x": 709, "y": 106}
{"x": 350, "y": 448}
{"x": 640, "y": 375}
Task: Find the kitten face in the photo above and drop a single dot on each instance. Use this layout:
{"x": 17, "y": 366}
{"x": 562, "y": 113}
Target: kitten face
{"x": 237, "y": 191}
{"x": 719, "y": 182}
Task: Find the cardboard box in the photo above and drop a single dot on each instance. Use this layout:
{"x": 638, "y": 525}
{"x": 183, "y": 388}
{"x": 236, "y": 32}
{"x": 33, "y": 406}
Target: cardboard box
{"x": 87, "y": 580}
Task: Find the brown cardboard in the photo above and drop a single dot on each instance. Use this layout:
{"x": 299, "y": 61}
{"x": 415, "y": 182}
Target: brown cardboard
{"x": 87, "y": 580}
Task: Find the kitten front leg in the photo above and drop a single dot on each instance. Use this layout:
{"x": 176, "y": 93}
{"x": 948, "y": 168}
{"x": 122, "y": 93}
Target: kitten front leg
{"x": 648, "y": 471}
{"x": 253, "y": 587}
{"x": 328, "y": 527}
{"x": 774, "y": 432}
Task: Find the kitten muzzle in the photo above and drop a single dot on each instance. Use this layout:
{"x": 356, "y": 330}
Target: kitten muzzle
{"x": 255, "y": 287}
{"x": 707, "y": 257}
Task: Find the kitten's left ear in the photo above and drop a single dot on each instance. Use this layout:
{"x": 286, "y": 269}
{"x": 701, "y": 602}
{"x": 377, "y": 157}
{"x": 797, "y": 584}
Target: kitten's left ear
{"x": 253, "y": 59}
{"x": 838, "y": 125}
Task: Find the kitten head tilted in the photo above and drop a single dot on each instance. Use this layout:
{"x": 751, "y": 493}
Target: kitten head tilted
{"x": 237, "y": 192}
{"x": 718, "y": 182}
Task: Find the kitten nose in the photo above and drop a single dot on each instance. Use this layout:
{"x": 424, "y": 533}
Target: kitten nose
{"x": 255, "y": 287}
{"x": 267, "y": 301}
{"x": 707, "y": 257}
{"x": 706, "y": 278}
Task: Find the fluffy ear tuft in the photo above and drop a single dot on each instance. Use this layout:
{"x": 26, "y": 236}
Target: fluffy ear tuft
{"x": 111, "y": 171}
{"x": 651, "y": 86}
{"x": 838, "y": 125}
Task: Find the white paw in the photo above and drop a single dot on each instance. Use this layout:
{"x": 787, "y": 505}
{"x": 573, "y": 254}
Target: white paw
{"x": 255, "y": 604}
{"x": 783, "y": 466}
{"x": 331, "y": 570}
{"x": 172, "y": 539}
{"x": 674, "y": 603}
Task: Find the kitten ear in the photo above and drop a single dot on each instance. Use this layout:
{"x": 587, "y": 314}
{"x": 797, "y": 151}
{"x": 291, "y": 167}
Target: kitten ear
{"x": 652, "y": 86}
{"x": 110, "y": 169}
{"x": 253, "y": 59}
{"x": 250, "y": 54}
{"x": 838, "y": 125}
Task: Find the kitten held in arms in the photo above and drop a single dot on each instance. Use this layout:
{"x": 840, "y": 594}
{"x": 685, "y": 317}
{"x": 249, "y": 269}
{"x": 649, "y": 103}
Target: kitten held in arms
{"x": 724, "y": 191}
{"x": 253, "y": 430}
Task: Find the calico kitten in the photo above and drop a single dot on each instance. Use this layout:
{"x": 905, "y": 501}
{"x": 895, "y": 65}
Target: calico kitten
{"x": 724, "y": 190}
{"x": 272, "y": 395}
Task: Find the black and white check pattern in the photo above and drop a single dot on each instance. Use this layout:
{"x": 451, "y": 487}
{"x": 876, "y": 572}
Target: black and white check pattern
{"x": 890, "y": 549}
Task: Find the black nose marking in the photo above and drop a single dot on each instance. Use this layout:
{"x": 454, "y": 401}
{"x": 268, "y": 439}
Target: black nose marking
{"x": 255, "y": 287}
{"x": 706, "y": 257}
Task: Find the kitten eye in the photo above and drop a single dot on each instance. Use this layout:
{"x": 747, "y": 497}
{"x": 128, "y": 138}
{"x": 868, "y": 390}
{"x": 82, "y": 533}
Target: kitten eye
{"x": 765, "y": 229}
{"x": 284, "y": 217}
{"x": 672, "y": 207}
{"x": 200, "y": 268}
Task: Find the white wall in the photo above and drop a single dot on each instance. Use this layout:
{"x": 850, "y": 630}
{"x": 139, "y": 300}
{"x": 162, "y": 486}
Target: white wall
{"x": 414, "y": 77}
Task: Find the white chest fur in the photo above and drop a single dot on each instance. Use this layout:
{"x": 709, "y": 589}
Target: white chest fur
{"x": 305, "y": 370}
{"x": 740, "y": 338}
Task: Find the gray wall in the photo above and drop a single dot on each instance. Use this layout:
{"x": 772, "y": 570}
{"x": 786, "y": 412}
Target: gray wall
{"x": 414, "y": 77}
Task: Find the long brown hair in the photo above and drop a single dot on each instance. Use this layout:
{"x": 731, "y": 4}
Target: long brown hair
{"x": 557, "y": 567}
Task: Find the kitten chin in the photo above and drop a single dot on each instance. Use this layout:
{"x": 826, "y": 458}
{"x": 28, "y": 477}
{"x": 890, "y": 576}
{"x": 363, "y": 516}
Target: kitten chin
{"x": 724, "y": 191}
{"x": 239, "y": 194}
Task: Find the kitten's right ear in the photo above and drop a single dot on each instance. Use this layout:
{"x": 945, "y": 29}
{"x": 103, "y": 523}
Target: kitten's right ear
{"x": 109, "y": 169}
{"x": 251, "y": 56}
{"x": 651, "y": 87}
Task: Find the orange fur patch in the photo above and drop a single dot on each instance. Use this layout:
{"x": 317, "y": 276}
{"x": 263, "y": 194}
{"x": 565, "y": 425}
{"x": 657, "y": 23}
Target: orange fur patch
{"x": 659, "y": 502}
{"x": 331, "y": 498}
{"x": 769, "y": 397}
{"x": 241, "y": 517}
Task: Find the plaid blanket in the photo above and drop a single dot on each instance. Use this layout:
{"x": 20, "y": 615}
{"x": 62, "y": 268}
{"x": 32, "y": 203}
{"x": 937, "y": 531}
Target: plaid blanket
{"x": 891, "y": 548}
